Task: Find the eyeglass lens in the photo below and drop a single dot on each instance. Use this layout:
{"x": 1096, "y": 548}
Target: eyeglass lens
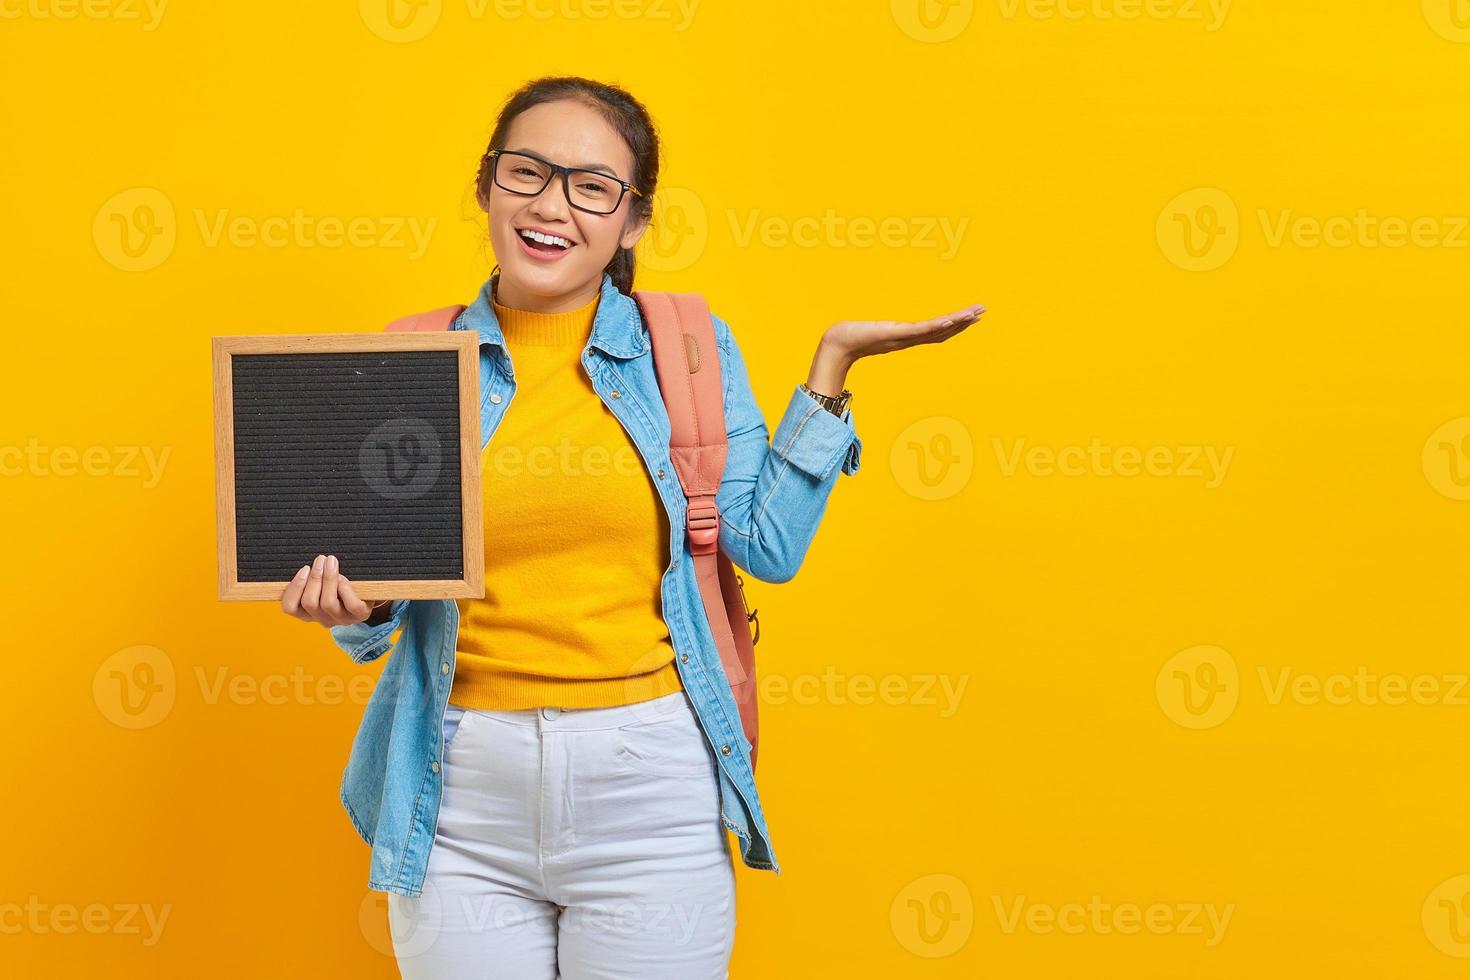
{"x": 587, "y": 189}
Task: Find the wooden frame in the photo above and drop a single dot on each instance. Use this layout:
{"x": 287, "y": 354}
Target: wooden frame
{"x": 466, "y": 344}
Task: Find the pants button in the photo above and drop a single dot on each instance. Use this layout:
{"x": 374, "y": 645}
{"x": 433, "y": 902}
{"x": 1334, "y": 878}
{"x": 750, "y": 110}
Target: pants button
{"x": 550, "y": 713}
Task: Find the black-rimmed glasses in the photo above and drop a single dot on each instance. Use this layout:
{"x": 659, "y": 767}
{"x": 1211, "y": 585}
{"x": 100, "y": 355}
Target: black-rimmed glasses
{"x": 587, "y": 190}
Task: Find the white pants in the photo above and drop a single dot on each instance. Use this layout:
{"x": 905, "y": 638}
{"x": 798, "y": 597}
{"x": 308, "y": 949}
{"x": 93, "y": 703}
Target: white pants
{"x": 579, "y": 843}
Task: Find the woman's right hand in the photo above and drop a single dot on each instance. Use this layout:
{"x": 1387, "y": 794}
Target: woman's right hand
{"x": 319, "y": 593}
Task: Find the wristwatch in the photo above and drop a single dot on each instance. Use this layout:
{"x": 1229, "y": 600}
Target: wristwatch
{"x": 836, "y": 404}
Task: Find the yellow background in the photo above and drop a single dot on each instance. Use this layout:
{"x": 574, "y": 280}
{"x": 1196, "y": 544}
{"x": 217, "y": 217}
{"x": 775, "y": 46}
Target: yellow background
{"x": 1117, "y": 642}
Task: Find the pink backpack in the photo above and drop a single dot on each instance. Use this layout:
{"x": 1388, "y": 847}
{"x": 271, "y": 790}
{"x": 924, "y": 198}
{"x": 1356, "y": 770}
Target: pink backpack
{"x": 687, "y": 361}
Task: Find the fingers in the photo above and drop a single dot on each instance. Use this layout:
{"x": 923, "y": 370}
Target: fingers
{"x": 963, "y": 317}
{"x": 331, "y": 603}
{"x": 311, "y": 596}
{"x": 291, "y": 598}
{"x": 353, "y": 608}
{"x": 929, "y": 331}
{"x": 959, "y": 318}
{"x": 320, "y": 593}
{"x": 944, "y": 327}
{"x": 967, "y": 315}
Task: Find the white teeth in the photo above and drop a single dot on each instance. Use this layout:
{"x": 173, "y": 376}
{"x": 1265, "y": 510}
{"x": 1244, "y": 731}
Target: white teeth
{"x": 537, "y": 236}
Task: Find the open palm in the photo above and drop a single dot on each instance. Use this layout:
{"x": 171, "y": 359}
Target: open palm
{"x": 860, "y": 338}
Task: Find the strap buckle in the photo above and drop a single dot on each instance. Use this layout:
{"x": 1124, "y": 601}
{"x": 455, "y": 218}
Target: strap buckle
{"x": 702, "y": 523}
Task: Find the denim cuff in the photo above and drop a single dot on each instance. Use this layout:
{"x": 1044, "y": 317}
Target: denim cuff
{"x": 814, "y": 440}
{"x": 363, "y": 642}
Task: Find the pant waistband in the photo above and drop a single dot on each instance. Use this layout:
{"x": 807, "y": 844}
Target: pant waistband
{"x": 591, "y": 719}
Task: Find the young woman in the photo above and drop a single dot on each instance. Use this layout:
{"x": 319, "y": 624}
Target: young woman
{"x": 545, "y": 775}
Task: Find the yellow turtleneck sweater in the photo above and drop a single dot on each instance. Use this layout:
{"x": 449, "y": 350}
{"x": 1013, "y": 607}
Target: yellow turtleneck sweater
{"x": 576, "y": 542}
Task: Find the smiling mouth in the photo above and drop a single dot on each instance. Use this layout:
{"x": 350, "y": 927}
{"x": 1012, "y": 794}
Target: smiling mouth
{"x": 549, "y": 244}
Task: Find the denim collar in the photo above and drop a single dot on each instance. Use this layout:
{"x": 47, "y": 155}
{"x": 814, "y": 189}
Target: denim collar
{"x": 617, "y": 328}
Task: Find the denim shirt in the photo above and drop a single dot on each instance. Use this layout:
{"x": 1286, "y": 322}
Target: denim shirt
{"x": 771, "y": 500}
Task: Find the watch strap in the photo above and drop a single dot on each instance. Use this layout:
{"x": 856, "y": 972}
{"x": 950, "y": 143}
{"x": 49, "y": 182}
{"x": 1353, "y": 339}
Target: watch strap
{"x": 836, "y": 404}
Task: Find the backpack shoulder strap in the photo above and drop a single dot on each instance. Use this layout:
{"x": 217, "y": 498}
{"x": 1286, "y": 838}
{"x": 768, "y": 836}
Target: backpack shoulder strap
{"x": 687, "y": 361}
{"x": 439, "y": 319}
{"x": 688, "y": 366}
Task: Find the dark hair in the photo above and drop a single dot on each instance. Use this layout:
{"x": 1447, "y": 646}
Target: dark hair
{"x": 624, "y": 113}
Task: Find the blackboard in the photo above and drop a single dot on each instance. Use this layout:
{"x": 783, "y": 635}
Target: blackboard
{"x": 363, "y": 446}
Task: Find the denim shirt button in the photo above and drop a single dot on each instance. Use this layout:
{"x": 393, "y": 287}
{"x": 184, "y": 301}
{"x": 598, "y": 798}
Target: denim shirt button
{"x": 725, "y": 749}
{"x": 444, "y": 667}
{"x": 660, "y": 474}
{"x": 683, "y": 658}
{"x": 615, "y": 394}
{"x": 495, "y": 399}
{"x": 435, "y": 766}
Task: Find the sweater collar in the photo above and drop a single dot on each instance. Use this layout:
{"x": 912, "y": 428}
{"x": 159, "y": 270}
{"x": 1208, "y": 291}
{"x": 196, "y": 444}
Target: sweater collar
{"x": 617, "y": 328}
{"x": 527, "y": 328}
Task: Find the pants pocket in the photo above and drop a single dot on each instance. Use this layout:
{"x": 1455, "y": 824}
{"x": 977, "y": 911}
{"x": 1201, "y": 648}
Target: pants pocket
{"x": 671, "y": 746}
{"x": 453, "y": 718}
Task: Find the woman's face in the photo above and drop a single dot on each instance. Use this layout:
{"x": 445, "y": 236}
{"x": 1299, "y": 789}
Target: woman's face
{"x": 553, "y": 280}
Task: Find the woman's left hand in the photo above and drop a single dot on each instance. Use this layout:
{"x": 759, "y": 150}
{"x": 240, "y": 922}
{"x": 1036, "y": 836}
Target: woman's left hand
{"x": 843, "y": 343}
{"x": 859, "y": 338}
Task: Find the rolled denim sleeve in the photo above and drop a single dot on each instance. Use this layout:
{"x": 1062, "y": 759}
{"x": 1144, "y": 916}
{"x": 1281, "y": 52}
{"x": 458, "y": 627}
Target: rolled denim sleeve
{"x": 775, "y": 487}
{"x": 365, "y": 643}
{"x": 815, "y": 441}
